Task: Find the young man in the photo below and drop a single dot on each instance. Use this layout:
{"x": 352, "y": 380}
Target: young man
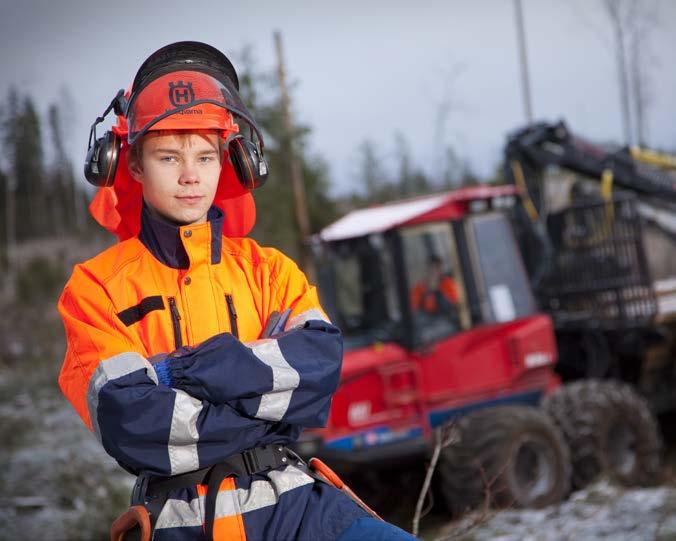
{"x": 438, "y": 292}
{"x": 193, "y": 354}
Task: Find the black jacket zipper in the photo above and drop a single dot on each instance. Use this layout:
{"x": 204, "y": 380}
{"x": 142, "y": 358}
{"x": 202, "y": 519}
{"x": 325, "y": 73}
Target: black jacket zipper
{"x": 175, "y": 321}
{"x": 233, "y": 315}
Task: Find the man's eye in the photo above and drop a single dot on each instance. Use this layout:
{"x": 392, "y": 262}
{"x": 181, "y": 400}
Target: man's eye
{"x": 206, "y": 159}
{"x": 168, "y": 159}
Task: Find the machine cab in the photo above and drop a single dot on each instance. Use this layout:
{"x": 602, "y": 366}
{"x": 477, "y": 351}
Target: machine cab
{"x": 437, "y": 315}
{"x": 421, "y": 270}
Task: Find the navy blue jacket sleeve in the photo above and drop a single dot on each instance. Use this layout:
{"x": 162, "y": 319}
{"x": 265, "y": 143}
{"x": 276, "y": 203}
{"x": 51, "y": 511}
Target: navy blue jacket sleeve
{"x": 289, "y": 377}
{"x": 148, "y": 426}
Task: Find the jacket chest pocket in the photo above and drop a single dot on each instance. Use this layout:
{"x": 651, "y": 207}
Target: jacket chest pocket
{"x": 149, "y": 320}
{"x": 232, "y": 314}
{"x": 177, "y": 320}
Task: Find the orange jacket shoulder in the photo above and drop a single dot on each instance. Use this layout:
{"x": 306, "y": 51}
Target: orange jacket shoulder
{"x": 113, "y": 260}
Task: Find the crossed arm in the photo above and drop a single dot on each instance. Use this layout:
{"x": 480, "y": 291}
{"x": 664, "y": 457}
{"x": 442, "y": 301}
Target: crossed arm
{"x": 198, "y": 405}
{"x": 289, "y": 377}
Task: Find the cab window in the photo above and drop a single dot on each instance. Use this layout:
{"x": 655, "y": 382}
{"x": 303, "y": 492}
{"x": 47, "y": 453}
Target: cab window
{"x": 358, "y": 291}
{"x": 435, "y": 283}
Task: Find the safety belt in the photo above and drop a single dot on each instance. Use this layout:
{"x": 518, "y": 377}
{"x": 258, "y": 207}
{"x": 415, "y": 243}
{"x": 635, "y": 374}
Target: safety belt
{"x": 150, "y": 492}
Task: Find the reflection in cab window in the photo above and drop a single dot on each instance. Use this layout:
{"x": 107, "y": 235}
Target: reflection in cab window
{"x": 358, "y": 291}
{"x": 434, "y": 293}
{"x": 349, "y": 288}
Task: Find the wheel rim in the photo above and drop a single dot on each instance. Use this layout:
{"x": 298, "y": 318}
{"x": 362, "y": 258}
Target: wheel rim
{"x": 622, "y": 448}
{"x": 534, "y": 467}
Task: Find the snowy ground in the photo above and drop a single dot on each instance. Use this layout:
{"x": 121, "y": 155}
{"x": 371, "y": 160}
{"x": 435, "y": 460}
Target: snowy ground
{"x": 601, "y": 512}
{"x": 56, "y": 481}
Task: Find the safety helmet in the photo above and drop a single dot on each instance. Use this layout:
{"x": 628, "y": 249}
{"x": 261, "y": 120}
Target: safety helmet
{"x": 183, "y": 86}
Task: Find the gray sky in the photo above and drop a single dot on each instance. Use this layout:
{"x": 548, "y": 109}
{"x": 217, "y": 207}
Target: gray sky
{"x": 364, "y": 69}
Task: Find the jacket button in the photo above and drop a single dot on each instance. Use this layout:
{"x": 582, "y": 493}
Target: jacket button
{"x": 187, "y": 280}
{"x": 187, "y": 233}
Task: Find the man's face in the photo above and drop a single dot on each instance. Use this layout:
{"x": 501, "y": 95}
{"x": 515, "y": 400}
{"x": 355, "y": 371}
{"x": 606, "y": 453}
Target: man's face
{"x": 434, "y": 275}
{"x": 179, "y": 174}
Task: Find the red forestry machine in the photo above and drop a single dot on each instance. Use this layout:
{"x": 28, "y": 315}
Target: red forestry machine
{"x": 463, "y": 311}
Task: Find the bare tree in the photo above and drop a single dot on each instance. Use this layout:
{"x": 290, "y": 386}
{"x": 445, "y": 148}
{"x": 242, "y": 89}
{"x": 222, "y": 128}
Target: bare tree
{"x": 641, "y": 64}
{"x": 373, "y": 177}
{"x": 10, "y": 113}
{"x": 445, "y": 104}
{"x": 67, "y": 112}
{"x": 633, "y": 23}
{"x": 295, "y": 169}
{"x": 523, "y": 60}
{"x": 618, "y": 11}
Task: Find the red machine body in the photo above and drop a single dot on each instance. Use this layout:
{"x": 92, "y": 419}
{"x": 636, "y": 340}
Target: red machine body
{"x": 397, "y": 386}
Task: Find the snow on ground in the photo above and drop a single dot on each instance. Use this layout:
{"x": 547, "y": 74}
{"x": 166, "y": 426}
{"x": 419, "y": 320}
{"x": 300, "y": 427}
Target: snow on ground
{"x": 56, "y": 478}
{"x": 600, "y": 512}
{"x": 57, "y": 482}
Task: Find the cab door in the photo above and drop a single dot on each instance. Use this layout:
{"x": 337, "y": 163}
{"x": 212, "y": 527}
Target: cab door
{"x": 502, "y": 288}
{"x": 463, "y": 354}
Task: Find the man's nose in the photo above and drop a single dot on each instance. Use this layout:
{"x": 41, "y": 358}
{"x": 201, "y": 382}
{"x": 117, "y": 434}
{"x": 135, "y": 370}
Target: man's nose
{"x": 189, "y": 174}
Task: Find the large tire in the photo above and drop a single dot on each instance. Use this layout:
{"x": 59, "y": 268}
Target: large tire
{"x": 610, "y": 432}
{"x": 504, "y": 456}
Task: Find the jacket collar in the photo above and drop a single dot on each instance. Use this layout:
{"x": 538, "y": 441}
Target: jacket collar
{"x": 163, "y": 239}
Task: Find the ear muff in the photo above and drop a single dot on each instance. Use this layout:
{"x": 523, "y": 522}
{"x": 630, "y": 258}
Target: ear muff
{"x": 103, "y": 152}
{"x": 250, "y": 167}
{"x": 102, "y": 158}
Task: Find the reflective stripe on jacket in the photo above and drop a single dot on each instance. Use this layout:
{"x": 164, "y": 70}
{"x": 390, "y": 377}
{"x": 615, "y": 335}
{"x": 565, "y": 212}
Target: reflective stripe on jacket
{"x": 179, "y": 294}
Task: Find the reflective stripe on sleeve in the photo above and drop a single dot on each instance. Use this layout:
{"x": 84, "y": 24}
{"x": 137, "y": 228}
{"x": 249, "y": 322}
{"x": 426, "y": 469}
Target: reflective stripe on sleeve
{"x": 183, "y": 437}
{"x": 285, "y": 380}
{"x": 111, "y": 369}
{"x": 300, "y": 319}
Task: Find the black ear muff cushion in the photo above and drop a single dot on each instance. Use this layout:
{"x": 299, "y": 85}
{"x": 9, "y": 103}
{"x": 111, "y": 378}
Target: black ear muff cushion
{"x": 89, "y": 172}
{"x": 102, "y": 158}
{"x": 243, "y": 162}
{"x": 111, "y": 156}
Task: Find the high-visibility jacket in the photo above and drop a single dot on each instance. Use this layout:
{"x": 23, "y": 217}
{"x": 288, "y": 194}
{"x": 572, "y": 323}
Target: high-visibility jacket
{"x": 196, "y": 302}
{"x": 432, "y": 300}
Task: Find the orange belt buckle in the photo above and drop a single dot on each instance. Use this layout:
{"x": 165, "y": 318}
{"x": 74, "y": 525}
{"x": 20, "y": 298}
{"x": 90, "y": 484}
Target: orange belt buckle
{"x": 136, "y": 515}
{"x": 332, "y": 478}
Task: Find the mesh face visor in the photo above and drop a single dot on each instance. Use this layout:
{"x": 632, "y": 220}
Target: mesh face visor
{"x": 184, "y": 100}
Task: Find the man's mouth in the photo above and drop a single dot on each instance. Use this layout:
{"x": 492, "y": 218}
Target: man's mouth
{"x": 189, "y": 198}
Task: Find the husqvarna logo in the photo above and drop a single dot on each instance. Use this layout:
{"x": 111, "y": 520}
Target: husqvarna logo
{"x": 181, "y": 93}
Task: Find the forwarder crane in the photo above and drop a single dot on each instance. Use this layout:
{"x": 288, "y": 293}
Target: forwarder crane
{"x": 591, "y": 270}
{"x": 648, "y": 175}
{"x": 530, "y": 150}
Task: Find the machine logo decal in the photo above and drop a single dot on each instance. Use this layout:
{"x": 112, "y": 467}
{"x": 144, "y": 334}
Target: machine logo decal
{"x": 359, "y": 413}
{"x": 537, "y": 358}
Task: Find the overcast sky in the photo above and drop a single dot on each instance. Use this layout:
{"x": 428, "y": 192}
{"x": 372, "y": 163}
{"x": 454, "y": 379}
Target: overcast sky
{"x": 364, "y": 69}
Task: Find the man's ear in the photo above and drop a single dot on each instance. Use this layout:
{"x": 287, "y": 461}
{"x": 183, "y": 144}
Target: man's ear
{"x": 135, "y": 168}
